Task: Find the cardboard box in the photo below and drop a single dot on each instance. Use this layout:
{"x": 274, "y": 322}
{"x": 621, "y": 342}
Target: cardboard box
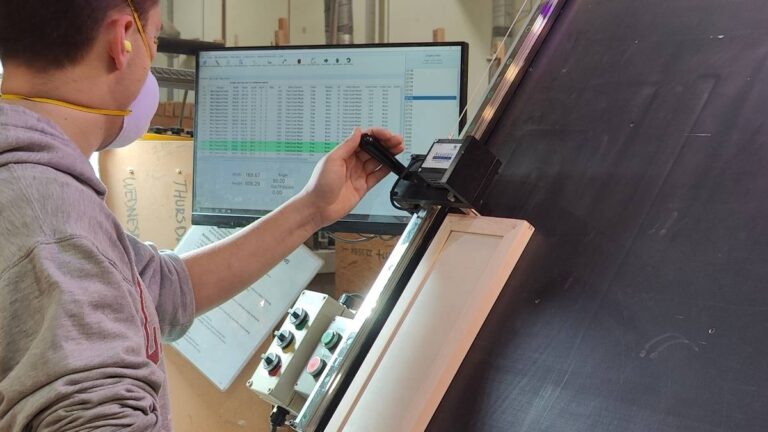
{"x": 150, "y": 188}
{"x": 359, "y": 264}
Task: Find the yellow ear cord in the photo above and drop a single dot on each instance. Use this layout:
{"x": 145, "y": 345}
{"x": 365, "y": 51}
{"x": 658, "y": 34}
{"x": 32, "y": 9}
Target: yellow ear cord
{"x": 106, "y": 112}
{"x": 140, "y": 27}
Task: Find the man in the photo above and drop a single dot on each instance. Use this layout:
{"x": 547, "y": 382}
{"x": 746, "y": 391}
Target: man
{"x": 83, "y": 306}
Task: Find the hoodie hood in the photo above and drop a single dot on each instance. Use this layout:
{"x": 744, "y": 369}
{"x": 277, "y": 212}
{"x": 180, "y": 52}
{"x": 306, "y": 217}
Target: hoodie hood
{"x": 29, "y": 138}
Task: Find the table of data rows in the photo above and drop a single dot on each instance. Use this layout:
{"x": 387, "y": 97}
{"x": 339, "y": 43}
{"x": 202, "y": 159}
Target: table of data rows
{"x": 254, "y": 118}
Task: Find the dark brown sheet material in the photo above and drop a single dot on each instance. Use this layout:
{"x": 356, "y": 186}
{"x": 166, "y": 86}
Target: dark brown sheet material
{"x": 637, "y": 145}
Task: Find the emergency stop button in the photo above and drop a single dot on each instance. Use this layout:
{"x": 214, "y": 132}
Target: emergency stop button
{"x": 316, "y": 366}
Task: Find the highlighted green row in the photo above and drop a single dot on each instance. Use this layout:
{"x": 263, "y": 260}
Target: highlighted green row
{"x": 268, "y": 146}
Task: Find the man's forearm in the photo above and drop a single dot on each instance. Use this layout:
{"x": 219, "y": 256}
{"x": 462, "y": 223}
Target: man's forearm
{"x": 221, "y": 270}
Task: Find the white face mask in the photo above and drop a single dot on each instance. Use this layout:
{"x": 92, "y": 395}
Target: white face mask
{"x": 143, "y": 109}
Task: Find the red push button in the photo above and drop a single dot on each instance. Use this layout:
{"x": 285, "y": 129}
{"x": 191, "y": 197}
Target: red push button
{"x": 316, "y": 366}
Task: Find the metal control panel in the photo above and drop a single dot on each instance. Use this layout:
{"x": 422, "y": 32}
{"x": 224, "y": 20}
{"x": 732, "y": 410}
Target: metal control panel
{"x": 292, "y": 347}
{"x": 322, "y": 355}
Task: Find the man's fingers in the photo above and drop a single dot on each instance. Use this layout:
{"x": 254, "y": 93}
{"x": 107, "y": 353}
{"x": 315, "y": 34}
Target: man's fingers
{"x": 387, "y": 138}
{"x": 375, "y": 177}
{"x": 371, "y": 165}
{"x": 363, "y": 155}
{"x": 349, "y": 146}
{"x": 380, "y": 133}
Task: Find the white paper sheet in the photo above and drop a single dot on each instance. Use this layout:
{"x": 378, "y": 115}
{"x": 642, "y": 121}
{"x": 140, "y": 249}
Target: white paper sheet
{"x": 222, "y": 341}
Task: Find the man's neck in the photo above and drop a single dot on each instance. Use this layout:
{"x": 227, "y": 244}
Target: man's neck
{"x": 88, "y": 132}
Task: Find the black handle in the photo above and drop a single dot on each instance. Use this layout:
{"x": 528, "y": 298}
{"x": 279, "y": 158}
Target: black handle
{"x": 371, "y": 145}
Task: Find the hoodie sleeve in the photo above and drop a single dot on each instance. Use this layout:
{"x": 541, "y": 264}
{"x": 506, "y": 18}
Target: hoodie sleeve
{"x": 73, "y": 356}
{"x": 166, "y": 278}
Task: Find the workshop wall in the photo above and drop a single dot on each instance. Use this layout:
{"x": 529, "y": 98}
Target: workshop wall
{"x": 253, "y": 22}
{"x": 465, "y": 20}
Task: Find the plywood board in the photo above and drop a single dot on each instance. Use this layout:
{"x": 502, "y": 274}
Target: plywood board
{"x": 150, "y": 189}
{"x": 358, "y": 264}
{"x": 197, "y": 405}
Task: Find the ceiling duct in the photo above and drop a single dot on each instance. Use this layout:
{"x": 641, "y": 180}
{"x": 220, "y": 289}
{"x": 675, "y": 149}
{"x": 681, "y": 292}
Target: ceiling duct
{"x": 338, "y": 22}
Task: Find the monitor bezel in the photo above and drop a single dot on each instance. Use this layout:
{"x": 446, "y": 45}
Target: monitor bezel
{"x": 398, "y": 223}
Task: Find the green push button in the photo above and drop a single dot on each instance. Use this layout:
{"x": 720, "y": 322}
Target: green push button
{"x": 330, "y": 339}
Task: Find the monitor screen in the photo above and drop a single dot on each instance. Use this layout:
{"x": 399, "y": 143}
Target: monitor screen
{"x": 266, "y": 116}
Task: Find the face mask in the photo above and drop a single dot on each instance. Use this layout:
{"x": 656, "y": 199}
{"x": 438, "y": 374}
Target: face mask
{"x": 143, "y": 109}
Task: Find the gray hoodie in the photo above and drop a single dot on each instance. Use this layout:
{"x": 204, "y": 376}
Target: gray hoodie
{"x": 83, "y": 306}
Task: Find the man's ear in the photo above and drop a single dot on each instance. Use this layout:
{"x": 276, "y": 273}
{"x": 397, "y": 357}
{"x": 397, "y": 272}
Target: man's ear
{"x": 119, "y": 47}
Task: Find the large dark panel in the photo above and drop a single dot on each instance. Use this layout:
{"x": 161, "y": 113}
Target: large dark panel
{"x": 637, "y": 145}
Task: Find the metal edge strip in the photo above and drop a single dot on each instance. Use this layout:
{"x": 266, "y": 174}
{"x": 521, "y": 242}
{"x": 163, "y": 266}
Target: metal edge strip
{"x": 382, "y": 296}
{"x": 515, "y": 67}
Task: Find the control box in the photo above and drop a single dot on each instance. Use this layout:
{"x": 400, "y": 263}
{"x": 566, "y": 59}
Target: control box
{"x": 293, "y": 345}
{"x": 320, "y": 358}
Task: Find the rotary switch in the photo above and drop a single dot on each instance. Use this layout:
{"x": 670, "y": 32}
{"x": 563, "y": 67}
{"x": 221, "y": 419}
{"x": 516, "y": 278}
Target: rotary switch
{"x": 271, "y": 363}
{"x": 298, "y": 317}
{"x": 284, "y": 338}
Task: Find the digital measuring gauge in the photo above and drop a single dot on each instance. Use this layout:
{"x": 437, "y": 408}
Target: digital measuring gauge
{"x": 454, "y": 173}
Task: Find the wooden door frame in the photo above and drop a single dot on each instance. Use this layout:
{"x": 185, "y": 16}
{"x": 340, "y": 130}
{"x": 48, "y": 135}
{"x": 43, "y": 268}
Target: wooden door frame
{"x": 359, "y": 400}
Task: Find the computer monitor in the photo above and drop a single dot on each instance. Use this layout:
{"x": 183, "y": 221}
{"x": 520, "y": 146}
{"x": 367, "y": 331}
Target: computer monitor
{"x": 266, "y": 116}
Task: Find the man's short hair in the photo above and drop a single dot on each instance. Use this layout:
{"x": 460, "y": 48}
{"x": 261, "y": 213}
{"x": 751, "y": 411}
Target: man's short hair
{"x": 48, "y": 35}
